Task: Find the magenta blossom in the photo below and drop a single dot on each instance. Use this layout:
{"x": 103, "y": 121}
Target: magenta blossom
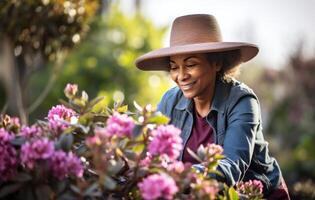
{"x": 251, "y": 188}
{"x": 166, "y": 141}
{"x": 63, "y": 164}
{"x": 146, "y": 161}
{"x": 40, "y": 149}
{"x": 57, "y": 116}
{"x": 120, "y": 125}
{"x": 31, "y": 132}
{"x": 158, "y": 186}
{"x": 176, "y": 166}
{"x": 214, "y": 149}
{"x": 15, "y": 121}
{"x": 74, "y": 165}
{"x": 8, "y": 156}
{"x": 71, "y": 90}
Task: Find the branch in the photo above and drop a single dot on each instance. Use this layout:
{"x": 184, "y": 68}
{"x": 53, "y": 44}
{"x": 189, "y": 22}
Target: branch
{"x": 48, "y": 87}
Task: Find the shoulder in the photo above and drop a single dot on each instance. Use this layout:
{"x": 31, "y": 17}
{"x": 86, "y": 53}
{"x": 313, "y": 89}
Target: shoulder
{"x": 242, "y": 98}
{"x": 239, "y": 89}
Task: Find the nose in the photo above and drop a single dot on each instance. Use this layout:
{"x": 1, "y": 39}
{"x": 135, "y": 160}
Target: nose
{"x": 182, "y": 74}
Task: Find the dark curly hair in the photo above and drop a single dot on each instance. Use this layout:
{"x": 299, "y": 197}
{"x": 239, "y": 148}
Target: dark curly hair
{"x": 230, "y": 63}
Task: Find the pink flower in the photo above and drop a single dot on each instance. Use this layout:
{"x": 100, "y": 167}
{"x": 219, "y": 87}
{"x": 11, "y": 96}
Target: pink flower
{"x": 74, "y": 165}
{"x": 15, "y": 121}
{"x": 211, "y": 188}
{"x": 146, "y": 161}
{"x": 59, "y": 165}
{"x": 71, "y": 90}
{"x": 214, "y": 149}
{"x": 8, "y": 156}
{"x": 40, "y": 149}
{"x": 100, "y": 135}
{"x": 120, "y": 125}
{"x": 30, "y": 132}
{"x": 166, "y": 141}
{"x": 57, "y": 116}
{"x": 63, "y": 164}
{"x": 251, "y": 188}
{"x": 158, "y": 186}
{"x": 176, "y": 166}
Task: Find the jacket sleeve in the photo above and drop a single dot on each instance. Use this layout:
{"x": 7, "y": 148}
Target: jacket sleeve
{"x": 243, "y": 122}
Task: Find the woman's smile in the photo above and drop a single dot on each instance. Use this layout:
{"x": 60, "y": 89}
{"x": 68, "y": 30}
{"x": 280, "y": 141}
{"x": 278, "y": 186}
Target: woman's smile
{"x": 187, "y": 86}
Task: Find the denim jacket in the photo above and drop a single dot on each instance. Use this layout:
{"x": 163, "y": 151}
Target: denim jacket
{"x": 236, "y": 119}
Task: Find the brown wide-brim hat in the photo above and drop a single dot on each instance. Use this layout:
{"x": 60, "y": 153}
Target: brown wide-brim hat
{"x": 192, "y": 34}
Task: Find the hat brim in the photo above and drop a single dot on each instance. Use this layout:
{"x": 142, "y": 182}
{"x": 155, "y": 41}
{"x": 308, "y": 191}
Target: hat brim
{"x": 158, "y": 60}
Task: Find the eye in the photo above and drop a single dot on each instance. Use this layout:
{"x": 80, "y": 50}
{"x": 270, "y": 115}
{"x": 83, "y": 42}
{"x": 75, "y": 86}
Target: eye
{"x": 173, "y": 66}
{"x": 190, "y": 65}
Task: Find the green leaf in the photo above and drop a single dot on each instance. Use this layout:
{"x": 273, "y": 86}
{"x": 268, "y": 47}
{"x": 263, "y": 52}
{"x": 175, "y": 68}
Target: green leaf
{"x": 43, "y": 192}
{"x": 95, "y": 101}
{"x": 194, "y": 155}
{"x": 201, "y": 152}
{"x": 138, "y": 148}
{"x": 114, "y": 166}
{"x": 137, "y": 130}
{"x": 91, "y": 190}
{"x": 9, "y": 189}
{"x": 159, "y": 119}
{"x": 233, "y": 194}
{"x": 68, "y": 105}
{"x": 131, "y": 155}
{"x": 122, "y": 109}
{"x": 109, "y": 183}
{"x": 81, "y": 150}
{"x": 18, "y": 141}
{"x": 22, "y": 177}
{"x": 66, "y": 141}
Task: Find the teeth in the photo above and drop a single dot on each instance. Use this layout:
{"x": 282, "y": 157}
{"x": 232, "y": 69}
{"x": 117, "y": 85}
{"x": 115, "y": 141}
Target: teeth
{"x": 188, "y": 86}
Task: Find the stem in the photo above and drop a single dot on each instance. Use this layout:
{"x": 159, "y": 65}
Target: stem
{"x": 47, "y": 89}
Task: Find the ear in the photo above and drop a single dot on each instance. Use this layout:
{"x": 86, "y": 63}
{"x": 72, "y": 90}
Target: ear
{"x": 217, "y": 65}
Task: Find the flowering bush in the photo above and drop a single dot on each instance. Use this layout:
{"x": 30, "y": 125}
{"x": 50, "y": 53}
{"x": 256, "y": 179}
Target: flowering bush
{"x": 79, "y": 152}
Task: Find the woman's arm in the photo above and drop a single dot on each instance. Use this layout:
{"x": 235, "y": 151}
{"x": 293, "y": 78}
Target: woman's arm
{"x": 243, "y": 122}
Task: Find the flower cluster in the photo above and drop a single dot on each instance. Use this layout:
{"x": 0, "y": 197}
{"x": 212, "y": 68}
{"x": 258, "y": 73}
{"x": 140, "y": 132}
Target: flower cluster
{"x": 158, "y": 186}
{"x": 106, "y": 153}
{"x": 63, "y": 164}
{"x": 120, "y": 125}
{"x": 60, "y": 116}
{"x": 31, "y": 132}
{"x": 166, "y": 141}
{"x": 8, "y": 156}
{"x": 252, "y": 189}
{"x": 60, "y": 163}
{"x": 40, "y": 149}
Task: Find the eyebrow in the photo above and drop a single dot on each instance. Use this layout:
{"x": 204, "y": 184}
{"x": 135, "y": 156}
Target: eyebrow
{"x": 184, "y": 59}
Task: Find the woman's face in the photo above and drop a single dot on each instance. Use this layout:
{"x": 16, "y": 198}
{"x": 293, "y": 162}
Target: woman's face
{"x": 194, "y": 75}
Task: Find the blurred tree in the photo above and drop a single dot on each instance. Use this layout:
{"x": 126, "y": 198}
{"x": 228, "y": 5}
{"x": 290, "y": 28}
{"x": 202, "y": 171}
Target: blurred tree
{"x": 33, "y": 32}
{"x": 103, "y": 64}
{"x": 288, "y": 99}
{"x": 292, "y": 125}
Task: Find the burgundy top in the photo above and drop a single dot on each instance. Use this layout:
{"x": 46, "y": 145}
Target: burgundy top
{"x": 202, "y": 133}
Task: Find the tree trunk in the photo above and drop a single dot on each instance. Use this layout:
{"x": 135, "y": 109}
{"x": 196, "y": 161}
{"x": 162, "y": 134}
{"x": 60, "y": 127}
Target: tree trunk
{"x": 9, "y": 75}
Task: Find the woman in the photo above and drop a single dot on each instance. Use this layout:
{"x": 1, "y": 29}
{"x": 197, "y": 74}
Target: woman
{"x": 210, "y": 106}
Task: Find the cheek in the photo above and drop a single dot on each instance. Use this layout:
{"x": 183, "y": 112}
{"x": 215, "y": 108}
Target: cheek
{"x": 173, "y": 76}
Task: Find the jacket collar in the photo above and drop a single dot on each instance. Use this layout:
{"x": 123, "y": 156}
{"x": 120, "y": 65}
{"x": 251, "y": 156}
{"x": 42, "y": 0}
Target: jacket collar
{"x": 221, "y": 92}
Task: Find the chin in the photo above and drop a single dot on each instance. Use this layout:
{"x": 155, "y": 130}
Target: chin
{"x": 188, "y": 95}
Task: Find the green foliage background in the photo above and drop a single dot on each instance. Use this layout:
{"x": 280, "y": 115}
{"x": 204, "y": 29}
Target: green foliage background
{"x": 103, "y": 64}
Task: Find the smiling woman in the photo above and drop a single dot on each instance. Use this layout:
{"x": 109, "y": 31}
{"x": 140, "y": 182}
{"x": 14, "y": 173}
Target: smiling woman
{"x": 210, "y": 106}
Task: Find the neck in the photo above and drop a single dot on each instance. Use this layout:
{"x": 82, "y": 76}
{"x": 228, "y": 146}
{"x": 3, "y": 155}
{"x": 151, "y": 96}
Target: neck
{"x": 203, "y": 105}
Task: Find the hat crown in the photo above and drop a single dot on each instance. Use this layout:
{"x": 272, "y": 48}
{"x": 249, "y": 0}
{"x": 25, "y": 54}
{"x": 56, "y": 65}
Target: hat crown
{"x": 192, "y": 29}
